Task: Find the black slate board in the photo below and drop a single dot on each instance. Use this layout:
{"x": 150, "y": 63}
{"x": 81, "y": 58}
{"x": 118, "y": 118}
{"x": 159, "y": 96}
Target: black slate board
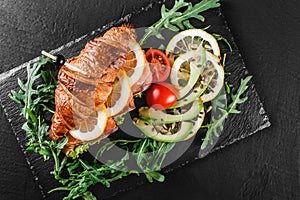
{"x": 252, "y": 118}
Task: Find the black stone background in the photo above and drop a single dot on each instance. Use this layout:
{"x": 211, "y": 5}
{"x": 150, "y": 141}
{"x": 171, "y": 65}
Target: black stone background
{"x": 263, "y": 166}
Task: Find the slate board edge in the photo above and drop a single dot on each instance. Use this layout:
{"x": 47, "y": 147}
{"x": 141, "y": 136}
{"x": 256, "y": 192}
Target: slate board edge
{"x": 23, "y": 149}
{"x": 262, "y": 111}
{"x": 12, "y": 71}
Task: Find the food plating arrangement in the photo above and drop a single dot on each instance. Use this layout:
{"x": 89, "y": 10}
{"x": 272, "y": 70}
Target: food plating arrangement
{"x": 169, "y": 93}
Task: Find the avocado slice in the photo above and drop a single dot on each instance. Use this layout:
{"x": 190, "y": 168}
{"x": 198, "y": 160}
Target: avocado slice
{"x": 160, "y": 117}
{"x": 197, "y": 125}
{"x": 149, "y": 130}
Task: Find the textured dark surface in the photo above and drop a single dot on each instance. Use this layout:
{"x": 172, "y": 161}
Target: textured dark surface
{"x": 264, "y": 166}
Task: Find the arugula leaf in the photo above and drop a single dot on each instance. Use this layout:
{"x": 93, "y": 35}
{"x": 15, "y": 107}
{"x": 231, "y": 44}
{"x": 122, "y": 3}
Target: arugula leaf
{"x": 217, "y": 124}
{"x": 174, "y": 19}
{"x": 34, "y": 101}
{"x": 221, "y": 38}
{"x": 150, "y": 155}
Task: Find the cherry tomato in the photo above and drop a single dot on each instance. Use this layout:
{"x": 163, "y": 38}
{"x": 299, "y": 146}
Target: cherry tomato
{"x": 159, "y": 65}
{"x": 161, "y": 96}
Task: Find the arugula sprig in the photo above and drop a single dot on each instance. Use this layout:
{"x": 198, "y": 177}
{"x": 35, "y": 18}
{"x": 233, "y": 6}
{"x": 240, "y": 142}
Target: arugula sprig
{"x": 82, "y": 175}
{"x": 149, "y": 155}
{"x": 216, "y": 124}
{"x": 35, "y": 100}
{"x": 174, "y": 19}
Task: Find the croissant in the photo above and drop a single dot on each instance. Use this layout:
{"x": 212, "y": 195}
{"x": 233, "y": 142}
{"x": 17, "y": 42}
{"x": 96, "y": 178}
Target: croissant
{"x": 87, "y": 81}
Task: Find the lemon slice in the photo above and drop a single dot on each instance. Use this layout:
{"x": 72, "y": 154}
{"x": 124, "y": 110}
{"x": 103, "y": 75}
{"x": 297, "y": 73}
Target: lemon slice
{"x": 190, "y": 40}
{"x": 191, "y": 62}
{"x": 92, "y": 127}
{"x": 212, "y": 77}
{"x": 135, "y": 63}
{"x": 120, "y": 95}
{"x": 209, "y": 82}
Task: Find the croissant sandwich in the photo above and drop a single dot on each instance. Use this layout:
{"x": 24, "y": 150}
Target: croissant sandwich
{"x": 97, "y": 85}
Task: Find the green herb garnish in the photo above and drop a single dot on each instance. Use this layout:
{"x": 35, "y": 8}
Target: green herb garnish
{"x": 221, "y": 38}
{"x": 217, "y": 124}
{"x": 150, "y": 155}
{"x": 36, "y": 100}
{"x": 119, "y": 119}
{"x": 175, "y": 19}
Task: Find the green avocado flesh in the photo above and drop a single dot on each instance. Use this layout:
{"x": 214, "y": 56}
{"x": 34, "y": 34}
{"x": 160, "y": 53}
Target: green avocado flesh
{"x": 150, "y": 131}
{"x": 197, "y": 125}
{"x": 159, "y": 117}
